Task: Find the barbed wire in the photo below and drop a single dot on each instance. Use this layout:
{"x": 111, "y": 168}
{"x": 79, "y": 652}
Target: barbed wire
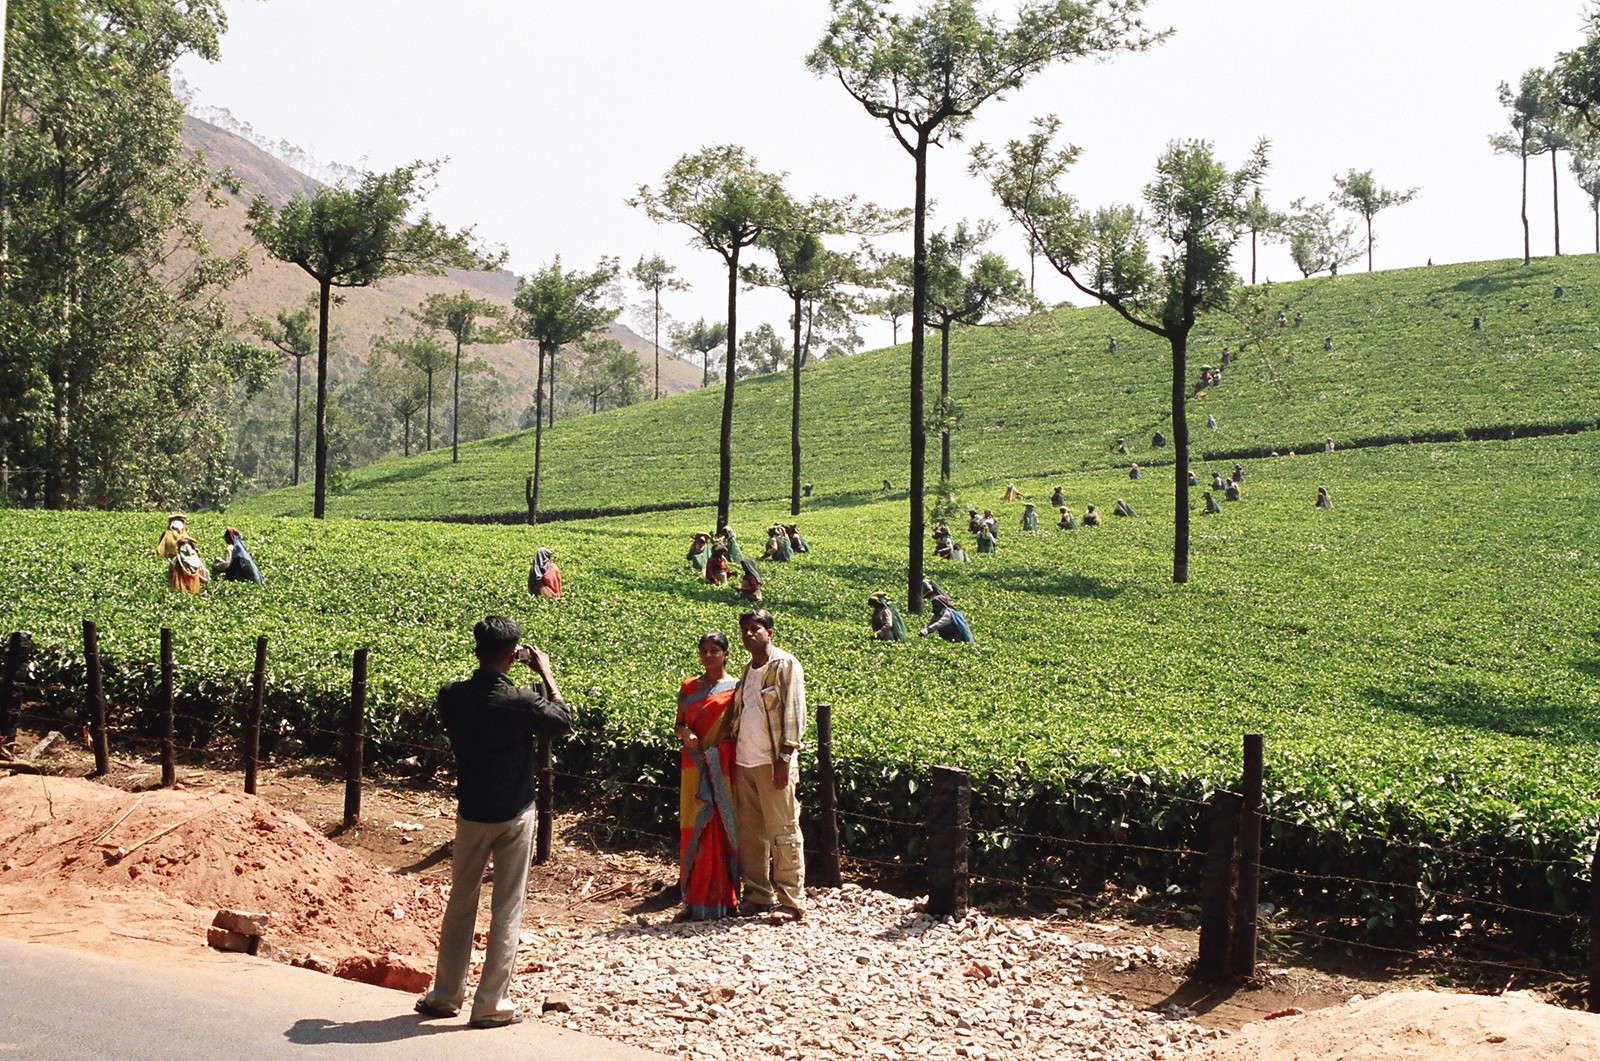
{"x": 1418, "y": 888}
{"x": 1414, "y": 955}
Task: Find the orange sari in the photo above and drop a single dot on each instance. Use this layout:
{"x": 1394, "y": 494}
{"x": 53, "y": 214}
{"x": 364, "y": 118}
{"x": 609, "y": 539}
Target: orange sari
{"x": 707, "y": 854}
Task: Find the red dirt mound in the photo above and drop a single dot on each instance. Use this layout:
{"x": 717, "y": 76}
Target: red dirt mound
{"x": 163, "y": 862}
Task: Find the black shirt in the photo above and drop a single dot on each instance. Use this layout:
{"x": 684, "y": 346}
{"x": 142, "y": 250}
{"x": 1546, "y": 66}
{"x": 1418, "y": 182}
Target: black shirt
{"x": 492, "y": 722}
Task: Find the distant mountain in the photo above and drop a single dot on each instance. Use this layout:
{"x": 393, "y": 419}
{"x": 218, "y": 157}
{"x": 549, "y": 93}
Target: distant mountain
{"x": 273, "y": 285}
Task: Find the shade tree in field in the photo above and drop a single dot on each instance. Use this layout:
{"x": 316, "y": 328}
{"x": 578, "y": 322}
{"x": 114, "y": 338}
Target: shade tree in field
{"x": 468, "y": 321}
{"x": 1359, "y": 193}
{"x": 117, "y": 362}
{"x": 724, "y": 198}
{"x": 345, "y": 237}
{"x": 559, "y": 307}
{"x": 966, "y": 285}
{"x": 428, "y": 356}
{"x": 1195, "y": 209}
{"x": 1262, "y": 223}
{"x": 654, "y": 275}
{"x": 813, "y": 275}
{"x": 1534, "y": 115}
{"x": 702, "y": 338}
{"x": 1317, "y": 239}
{"x": 761, "y": 352}
{"x": 925, "y": 74}
{"x": 292, "y": 333}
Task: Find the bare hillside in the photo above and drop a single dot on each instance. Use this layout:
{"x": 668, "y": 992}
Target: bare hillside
{"x": 365, "y": 312}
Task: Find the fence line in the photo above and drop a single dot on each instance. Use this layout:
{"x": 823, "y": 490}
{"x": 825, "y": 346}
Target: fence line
{"x": 946, "y": 853}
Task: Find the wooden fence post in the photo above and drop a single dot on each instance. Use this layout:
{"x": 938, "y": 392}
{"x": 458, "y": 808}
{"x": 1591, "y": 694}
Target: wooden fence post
{"x": 1243, "y": 963}
{"x": 1594, "y": 931}
{"x": 546, "y": 801}
{"x": 827, "y": 870}
{"x": 1216, "y": 889}
{"x": 949, "y": 816}
{"x": 354, "y": 740}
{"x": 169, "y": 762}
{"x": 252, "y": 722}
{"x": 97, "y": 701}
{"x": 10, "y": 678}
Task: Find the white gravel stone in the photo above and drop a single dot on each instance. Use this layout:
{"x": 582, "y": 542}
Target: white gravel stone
{"x": 864, "y": 975}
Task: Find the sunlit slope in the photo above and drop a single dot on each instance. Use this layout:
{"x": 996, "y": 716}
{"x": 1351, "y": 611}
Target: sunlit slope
{"x": 1046, "y": 396}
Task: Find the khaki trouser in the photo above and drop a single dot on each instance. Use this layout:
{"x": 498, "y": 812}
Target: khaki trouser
{"x": 511, "y": 845}
{"x": 772, "y": 857}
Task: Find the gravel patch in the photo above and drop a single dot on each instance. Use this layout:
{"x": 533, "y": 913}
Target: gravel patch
{"x": 865, "y": 974}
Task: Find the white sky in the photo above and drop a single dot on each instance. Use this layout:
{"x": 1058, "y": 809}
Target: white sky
{"x": 553, "y": 113}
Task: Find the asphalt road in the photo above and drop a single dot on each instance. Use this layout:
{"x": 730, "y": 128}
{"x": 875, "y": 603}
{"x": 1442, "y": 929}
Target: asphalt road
{"x": 57, "y": 1003}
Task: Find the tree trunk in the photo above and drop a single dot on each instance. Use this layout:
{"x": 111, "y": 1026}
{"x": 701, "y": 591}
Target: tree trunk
{"x": 455, "y": 409}
{"x": 944, "y": 397}
{"x": 538, "y": 439}
{"x": 299, "y": 368}
{"x": 1555, "y": 198}
{"x": 428, "y": 446}
{"x": 552, "y": 404}
{"x": 1180, "y": 456}
{"x": 725, "y": 446}
{"x": 1369, "y": 243}
{"x": 657, "y": 345}
{"x": 919, "y": 320}
{"x": 794, "y": 421}
{"x": 319, "y": 492}
{"x": 408, "y": 436}
{"x": 1252, "y": 256}
{"x": 1527, "y": 253}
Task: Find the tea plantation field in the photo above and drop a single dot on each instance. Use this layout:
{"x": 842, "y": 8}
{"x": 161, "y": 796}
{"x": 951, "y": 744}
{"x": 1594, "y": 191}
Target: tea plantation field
{"x": 1044, "y": 396}
{"x": 1424, "y": 659}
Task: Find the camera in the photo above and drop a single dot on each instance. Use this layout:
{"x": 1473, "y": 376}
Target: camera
{"x": 524, "y": 654}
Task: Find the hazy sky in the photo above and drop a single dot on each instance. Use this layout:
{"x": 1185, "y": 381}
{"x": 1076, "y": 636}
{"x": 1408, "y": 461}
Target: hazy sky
{"x": 552, "y": 114}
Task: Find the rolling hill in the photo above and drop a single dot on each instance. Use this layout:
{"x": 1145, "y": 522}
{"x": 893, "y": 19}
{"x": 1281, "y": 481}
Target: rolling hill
{"x": 1043, "y": 398}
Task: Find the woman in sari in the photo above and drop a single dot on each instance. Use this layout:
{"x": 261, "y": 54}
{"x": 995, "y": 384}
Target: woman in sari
{"x": 708, "y": 858}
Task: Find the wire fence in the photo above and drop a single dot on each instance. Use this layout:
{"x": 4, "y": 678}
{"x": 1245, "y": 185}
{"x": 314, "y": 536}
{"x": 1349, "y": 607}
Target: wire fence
{"x": 1388, "y": 905}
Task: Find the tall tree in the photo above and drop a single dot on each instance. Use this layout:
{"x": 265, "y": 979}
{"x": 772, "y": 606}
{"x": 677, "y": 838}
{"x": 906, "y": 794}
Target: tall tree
{"x": 702, "y": 338}
{"x": 1197, "y": 210}
{"x": 761, "y": 352}
{"x": 470, "y": 322}
{"x": 1526, "y": 111}
{"x": 958, "y": 294}
{"x": 809, "y": 272}
{"x": 925, "y": 75}
{"x": 1263, "y": 223}
{"x": 559, "y": 307}
{"x": 353, "y": 237}
{"x": 1360, "y": 194}
{"x": 721, "y": 196}
{"x": 116, "y": 353}
{"x": 427, "y": 355}
{"x": 654, "y": 275}
{"x": 1316, "y": 239}
{"x": 294, "y": 335}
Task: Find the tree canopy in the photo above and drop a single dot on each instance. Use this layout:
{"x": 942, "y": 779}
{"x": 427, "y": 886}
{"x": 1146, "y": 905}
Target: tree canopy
{"x": 470, "y": 322}
{"x": 1359, "y": 193}
{"x": 1196, "y": 209}
{"x": 925, "y": 75}
{"x": 354, "y": 237}
{"x": 724, "y": 198}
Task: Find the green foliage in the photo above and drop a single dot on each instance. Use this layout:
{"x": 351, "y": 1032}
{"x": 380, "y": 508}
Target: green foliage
{"x": 117, "y": 373}
{"x": 1359, "y": 193}
{"x": 1407, "y": 696}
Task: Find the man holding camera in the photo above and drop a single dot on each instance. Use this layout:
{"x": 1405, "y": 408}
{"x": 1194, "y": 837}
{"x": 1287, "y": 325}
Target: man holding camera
{"x": 493, "y": 725}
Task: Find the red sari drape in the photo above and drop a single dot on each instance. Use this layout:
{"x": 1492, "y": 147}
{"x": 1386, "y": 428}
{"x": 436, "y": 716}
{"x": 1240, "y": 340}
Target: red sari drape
{"x": 707, "y": 856}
